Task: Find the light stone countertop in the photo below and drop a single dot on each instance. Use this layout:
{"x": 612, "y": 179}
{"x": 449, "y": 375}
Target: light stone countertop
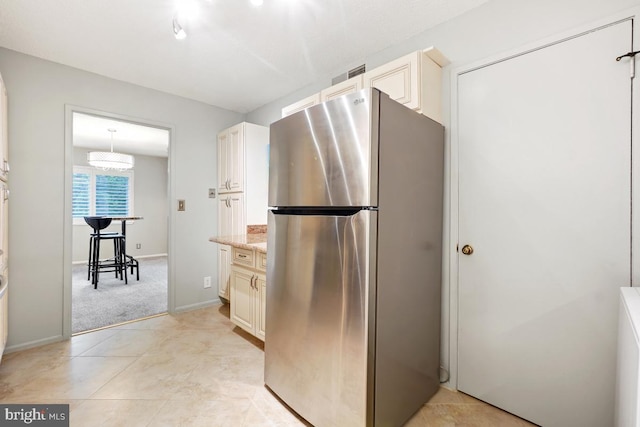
{"x": 257, "y": 241}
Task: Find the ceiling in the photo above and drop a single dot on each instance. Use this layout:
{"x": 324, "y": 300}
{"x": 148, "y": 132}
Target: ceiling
{"x": 236, "y": 56}
{"x": 93, "y": 132}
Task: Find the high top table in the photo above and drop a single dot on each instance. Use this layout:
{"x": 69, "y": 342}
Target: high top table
{"x": 129, "y": 260}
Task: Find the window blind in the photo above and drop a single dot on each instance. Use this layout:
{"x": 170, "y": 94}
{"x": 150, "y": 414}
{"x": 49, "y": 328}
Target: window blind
{"x": 81, "y": 201}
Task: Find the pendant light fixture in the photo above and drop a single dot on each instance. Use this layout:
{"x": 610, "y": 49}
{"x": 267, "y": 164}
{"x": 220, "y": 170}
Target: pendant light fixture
{"x": 110, "y": 160}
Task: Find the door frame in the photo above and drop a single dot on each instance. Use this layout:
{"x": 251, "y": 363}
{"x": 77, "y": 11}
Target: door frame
{"x": 451, "y": 255}
{"x": 68, "y": 195}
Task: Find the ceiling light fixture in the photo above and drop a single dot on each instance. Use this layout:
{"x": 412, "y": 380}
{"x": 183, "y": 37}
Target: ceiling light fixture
{"x": 178, "y": 31}
{"x": 257, "y": 3}
{"x": 108, "y": 160}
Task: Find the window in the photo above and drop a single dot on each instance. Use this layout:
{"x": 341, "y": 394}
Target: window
{"x": 101, "y": 193}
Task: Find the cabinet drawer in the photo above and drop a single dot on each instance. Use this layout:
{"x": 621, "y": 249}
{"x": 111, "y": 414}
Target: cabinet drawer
{"x": 261, "y": 262}
{"x": 243, "y": 257}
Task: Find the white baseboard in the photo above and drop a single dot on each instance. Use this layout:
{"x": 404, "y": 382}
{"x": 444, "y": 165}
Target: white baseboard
{"x": 196, "y": 306}
{"x": 32, "y": 344}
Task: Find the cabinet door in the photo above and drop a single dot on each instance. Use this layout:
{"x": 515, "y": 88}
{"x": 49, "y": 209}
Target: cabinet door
{"x": 400, "y": 79}
{"x": 235, "y": 158}
{"x": 4, "y": 132}
{"x": 5, "y": 317}
{"x": 224, "y": 270}
{"x": 238, "y": 219}
{"x": 231, "y": 214}
{"x": 242, "y": 295}
{"x": 307, "y": 102}
{"x": 261, "y": 305}
{"x": 223, "y": 155}
{"x": 346, "y": 87}
{"x": 4, "y": 226}
{"x": 231, "y": 159}
{"x": 225, "y": 216}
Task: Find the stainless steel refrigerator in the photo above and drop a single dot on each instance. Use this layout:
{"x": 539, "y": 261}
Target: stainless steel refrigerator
{"x": 354, "y": 244}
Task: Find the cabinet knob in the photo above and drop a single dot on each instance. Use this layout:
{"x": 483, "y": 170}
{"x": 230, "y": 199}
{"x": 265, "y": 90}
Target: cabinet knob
{"x": 467, "y": 250}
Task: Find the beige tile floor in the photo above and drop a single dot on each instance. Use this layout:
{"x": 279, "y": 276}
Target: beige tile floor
{"x": 190, "y": 369}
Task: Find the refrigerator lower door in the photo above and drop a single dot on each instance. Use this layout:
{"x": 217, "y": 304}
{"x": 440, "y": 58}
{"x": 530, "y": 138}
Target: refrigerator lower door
{"x": 319, "y": 290}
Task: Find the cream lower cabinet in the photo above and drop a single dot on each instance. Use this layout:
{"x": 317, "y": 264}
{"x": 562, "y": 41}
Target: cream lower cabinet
{"x": 4, "y": 316}
{"x": 224, "y": 271}
{"x": 247, "y": 291}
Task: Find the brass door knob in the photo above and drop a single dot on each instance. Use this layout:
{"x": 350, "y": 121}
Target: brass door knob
{"x": 467, "y": 250}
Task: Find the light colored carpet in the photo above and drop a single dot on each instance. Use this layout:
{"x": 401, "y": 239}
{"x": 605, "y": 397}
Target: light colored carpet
{"x": 113, "y": 301}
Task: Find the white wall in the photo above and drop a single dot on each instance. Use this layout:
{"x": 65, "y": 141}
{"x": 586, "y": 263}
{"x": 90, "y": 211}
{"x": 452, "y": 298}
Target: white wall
{"x": 496, "y": 27}
{"x": 150, "y": 202}
{"x": 38, "y": 93}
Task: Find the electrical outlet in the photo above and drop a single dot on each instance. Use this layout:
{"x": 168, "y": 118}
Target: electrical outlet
{"x": 207, "y": 282}
{"x": 138, "y": 245}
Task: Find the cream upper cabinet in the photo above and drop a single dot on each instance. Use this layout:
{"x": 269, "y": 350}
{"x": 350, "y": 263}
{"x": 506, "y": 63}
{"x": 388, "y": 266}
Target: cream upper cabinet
{"x": 243, "y": 164}
{"x": 346, "y": 87}
{"x": 398, "y": 79}
{"x": 301, "y": 105}
{"x": 414, "y": 80}
{"x": 231, "y": 159}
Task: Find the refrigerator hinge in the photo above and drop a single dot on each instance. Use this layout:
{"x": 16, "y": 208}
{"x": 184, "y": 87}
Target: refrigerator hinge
{"x": 632, "y": 62}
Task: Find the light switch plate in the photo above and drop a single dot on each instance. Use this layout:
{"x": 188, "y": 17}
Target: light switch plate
{"x": 180, "y": 205}
{"x": 212, "y": 193}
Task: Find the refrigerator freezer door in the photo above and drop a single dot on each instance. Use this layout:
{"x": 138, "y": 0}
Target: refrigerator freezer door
{"x": 318, "y": 303}
{"x": 327, "y": 155}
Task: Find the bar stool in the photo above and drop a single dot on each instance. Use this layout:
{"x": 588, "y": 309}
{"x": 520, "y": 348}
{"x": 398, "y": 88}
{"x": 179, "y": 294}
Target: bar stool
{"x": 116, "y": 264}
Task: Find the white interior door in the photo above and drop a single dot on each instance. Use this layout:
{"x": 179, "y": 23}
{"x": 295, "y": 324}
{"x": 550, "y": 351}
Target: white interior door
{"x": 544, "y": 200}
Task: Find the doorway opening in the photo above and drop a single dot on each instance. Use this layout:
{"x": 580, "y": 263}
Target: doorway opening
{"x": 141, "y": 194}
